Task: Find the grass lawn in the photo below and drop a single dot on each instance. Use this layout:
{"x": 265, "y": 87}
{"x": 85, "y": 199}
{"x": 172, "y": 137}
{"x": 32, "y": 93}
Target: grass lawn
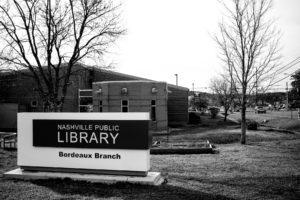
{"x": 276, "y": 119}
{"x": 268, "y": 167}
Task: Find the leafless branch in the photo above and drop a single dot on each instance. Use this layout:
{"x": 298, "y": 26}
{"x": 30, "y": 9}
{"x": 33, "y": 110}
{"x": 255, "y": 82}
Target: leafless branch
{"x": 49, "y": 37}
{"x": 249, "y": 47}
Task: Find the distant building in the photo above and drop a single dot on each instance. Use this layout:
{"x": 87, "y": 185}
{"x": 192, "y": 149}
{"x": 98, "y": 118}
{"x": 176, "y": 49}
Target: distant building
{"x": 99, "y": 90}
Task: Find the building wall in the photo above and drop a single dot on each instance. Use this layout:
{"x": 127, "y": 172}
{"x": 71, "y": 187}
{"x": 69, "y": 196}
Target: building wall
{"x": 19, "y": 88}
{"x": 177, "y": 105}
{"x": 8, "y": 116}
{"x": 140, "y": 95}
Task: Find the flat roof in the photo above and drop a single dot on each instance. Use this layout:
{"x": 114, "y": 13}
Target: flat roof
{"x": 136, "y": 78}
{"x": 130, "y": 81}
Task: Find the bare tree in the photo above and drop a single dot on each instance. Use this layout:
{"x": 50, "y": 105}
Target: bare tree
{"x": 225, "y": 93}
{"x": 249, "y": 48}
{"x": 48, "y": 37}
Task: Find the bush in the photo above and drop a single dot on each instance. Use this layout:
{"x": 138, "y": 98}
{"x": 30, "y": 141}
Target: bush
{"x": 252, "y": 125}
{"x": 213, "y": 112}
{"x": 194, "y": 118}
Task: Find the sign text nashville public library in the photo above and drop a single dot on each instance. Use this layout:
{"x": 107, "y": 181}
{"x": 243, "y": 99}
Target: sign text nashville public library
{"x": 112, "y": 134}
{"x": 68, "y": 133}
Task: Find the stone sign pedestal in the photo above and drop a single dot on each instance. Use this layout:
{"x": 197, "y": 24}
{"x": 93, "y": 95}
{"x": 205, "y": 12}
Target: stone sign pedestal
{"x": 152, "y": 178}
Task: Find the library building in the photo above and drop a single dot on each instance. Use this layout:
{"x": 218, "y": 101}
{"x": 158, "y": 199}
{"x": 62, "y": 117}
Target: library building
{"x": 93, "y": 89}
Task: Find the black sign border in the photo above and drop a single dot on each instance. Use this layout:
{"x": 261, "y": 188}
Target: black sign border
{"x": 134, "y": 134}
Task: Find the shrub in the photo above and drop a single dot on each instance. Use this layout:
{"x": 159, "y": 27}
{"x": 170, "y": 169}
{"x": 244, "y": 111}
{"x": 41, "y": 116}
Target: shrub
{"x": 252, "y": 125}
{"x": 213, "y": 112}
{"x": 194, "y": 118}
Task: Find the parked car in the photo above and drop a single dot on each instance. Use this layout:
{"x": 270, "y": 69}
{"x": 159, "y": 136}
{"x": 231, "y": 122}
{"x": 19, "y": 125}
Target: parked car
{"x": 260, "y": 109}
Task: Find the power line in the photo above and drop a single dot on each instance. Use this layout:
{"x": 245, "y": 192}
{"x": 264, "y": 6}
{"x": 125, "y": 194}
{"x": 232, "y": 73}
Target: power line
{"x": 284, "y": 77}
{"x": 287, "y": 65}
{"x": 292, "y": 66}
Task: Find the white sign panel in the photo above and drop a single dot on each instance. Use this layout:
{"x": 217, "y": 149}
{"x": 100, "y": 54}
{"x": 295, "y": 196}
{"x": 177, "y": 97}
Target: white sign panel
{"x": 84, "y": 141}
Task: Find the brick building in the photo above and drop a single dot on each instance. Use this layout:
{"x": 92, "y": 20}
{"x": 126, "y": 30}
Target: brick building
{"x": 167, "y": 104}
{"x": 133, "y": 96}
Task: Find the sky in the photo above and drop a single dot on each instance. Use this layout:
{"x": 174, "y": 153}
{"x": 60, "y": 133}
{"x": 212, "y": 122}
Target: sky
{"x": 168, "y": 37}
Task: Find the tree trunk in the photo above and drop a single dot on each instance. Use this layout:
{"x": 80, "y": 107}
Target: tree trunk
{"x": 225, "y": 114}
{"x": 243, "y": 117}
{"x": 51, "y": 105}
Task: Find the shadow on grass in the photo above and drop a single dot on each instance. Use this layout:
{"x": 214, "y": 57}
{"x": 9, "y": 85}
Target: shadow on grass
{"x": 128, "y": 191}
{"x": 286, "y": 187}
{"x": 207, "y": 123}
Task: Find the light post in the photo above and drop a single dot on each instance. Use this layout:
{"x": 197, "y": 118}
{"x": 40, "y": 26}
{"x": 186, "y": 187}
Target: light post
{"x": 256, "y": 86}
{"x": 176, "y": 79}
{"x": 287, "y": 99}
{"x": 287, "y": 95}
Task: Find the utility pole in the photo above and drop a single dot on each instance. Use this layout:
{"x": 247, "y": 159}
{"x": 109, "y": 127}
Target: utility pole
{"x": 193, "y": 88}
{"x": 176, "y": 79}
{"x": 287, "y": 95}
{"x": 256, "y": 87}
{"x": 287, "y": 99}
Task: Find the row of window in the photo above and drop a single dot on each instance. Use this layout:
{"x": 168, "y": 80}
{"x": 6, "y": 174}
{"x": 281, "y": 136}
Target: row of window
{"x": 125, "y": 91}
{"x": 125, "y": 107}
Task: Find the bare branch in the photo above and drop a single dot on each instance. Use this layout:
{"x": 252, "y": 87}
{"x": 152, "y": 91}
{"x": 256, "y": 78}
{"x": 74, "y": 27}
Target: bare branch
{"x": 49, "y": 37}
{"x": 249, "y": 47}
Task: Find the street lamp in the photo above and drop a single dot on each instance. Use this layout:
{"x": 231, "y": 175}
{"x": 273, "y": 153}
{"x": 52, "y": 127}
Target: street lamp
{"x": 176, "y": 79}
{"x": 287, "y": 97}
{"x": 287, "y": 92}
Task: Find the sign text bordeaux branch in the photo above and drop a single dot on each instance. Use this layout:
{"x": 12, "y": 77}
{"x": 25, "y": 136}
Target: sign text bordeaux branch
{"x": 108, "y": 134}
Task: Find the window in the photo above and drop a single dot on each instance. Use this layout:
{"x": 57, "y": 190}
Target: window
{"x": 153, "y": 110}
{"x": 85, "y": 100}
{"x": 100, "y": 106}
{"x": 125, "y": 106}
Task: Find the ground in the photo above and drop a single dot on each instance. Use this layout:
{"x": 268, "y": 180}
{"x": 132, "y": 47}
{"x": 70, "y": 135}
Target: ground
{"x": 287, "y": 120}
{"x": 268, "y": 167}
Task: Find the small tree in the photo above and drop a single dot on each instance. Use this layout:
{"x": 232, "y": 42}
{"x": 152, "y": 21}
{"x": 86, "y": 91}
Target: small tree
{"x": 225, "y": 93}
{"x": 249, "y": 48}
{"x": 213, "y": 112}
{"x": 48, "y": 37}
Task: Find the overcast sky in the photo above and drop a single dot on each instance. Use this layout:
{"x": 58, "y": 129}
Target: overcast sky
{"x": 167, "y": 37}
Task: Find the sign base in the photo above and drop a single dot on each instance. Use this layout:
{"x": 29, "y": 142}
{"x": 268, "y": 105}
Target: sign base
{"x": 152, "y": 178}
{"x": 83, "y": 171}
